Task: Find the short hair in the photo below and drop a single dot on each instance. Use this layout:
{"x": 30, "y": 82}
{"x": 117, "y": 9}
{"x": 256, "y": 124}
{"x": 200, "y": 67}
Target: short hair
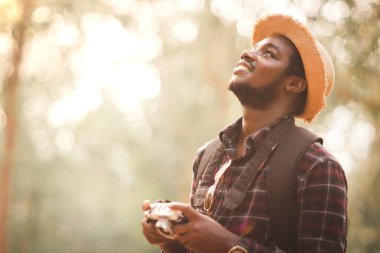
{"x": 296, "y": 68}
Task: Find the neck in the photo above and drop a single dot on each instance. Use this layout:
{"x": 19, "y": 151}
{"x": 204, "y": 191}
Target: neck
{"x": 254, "y": 120}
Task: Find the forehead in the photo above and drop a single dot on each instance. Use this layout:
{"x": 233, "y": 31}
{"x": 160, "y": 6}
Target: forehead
{"x": 279, "y": 42}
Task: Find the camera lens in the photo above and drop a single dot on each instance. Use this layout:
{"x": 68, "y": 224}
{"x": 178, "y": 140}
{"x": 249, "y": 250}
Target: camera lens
{"x": 165, "y": 228}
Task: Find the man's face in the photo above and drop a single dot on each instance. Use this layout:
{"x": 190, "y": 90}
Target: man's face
{"x": 258, "y": 76}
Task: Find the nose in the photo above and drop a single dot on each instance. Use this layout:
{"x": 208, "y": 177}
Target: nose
{"x": 249, "y": 55}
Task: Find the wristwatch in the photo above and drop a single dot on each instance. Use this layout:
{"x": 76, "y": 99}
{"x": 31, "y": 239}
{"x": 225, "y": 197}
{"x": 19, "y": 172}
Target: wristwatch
{"x": 238, "y": 249}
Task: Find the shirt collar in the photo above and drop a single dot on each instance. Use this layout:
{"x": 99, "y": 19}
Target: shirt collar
{"x": 229, "y": 136}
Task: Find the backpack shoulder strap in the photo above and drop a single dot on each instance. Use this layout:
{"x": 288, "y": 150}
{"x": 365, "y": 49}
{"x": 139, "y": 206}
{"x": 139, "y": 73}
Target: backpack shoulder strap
{"x": 211, "y": 147}
{"x": 282, "y": 185}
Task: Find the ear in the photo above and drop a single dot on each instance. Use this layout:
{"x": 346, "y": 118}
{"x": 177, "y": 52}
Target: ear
{"x": 296, "y": 85}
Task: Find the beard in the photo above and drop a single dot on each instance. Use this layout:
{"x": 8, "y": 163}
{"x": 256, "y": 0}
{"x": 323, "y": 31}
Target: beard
{"x": 256, "y": 98}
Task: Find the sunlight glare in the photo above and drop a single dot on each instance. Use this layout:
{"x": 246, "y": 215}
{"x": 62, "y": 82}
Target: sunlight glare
{"x": 3, "y": 118}
{"x": 13, "y": 11}
{"x": 41, "y": 56}
{"x": 345, "y": 159}
{"x": 365, "y": 135}
{"x": 185, "y": 31}
{"x": 349, "y": 136}
{"x": 191, "y": 6}
{"x": 338, "y": 123}
{"x": 364, "y": 4}
{"x": 65, "y": 34}
{"x": 244, "y": 24}
{"x": 325, "y": 28}
{"x": 43, "y": 148}
{"x": 41, "y": 14}
{"x": 107, "y": 38}
{"x": 5, "y": 44}
{"x": 206, "y": 96}
{"x": 311, "y": 8}
{"x": 34, "y": 107}
{"x": 278, "y": 6}
{"x": 247, "y": 12}
{"x": 65, "y": 141}
{"x": 121, "y": 6}
{"x": 339, "y": 49}
{"x": 230, "y": 10}
{"x": 74, "y": 106}
{"x": 334, "y": 11}
{"x": 141, "y": 132}
{"x": 132, "y": 82}
{"x": 295, "y": 12}
{"x": 111, "y": 61}
{"x": 119, "y": 161}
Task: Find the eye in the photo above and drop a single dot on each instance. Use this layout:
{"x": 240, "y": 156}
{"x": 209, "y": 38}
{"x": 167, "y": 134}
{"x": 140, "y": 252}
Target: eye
{"x": 268, "y": 54}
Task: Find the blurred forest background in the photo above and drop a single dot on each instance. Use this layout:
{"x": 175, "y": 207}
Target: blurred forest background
{"x": 103, "y": 104}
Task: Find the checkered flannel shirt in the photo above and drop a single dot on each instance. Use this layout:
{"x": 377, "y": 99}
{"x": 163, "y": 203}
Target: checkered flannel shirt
{"x": 321, "y": 198}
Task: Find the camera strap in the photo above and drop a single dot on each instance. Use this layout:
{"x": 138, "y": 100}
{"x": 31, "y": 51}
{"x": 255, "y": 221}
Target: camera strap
{"x": 237, "y": 192}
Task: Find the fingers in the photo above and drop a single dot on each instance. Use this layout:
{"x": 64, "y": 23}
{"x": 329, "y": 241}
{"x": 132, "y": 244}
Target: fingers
{"x": 146, "y": 205}
{"x": 181, "y": 229}
{"x": 147, "y": 224}
{"x": 149, "y": 228}
{"x": 189, "y": 212}
{"x": 184, "y": 239}
{"x": 150, "y": 232}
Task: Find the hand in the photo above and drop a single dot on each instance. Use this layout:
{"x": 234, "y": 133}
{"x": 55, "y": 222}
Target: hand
{"x": 202, "y": 233}
{"x": 149, "y": 229}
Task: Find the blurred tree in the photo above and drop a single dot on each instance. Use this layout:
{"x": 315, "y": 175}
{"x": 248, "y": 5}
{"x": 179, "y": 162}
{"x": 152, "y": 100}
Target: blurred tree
{"x": 357, "y": 44}
{"x": 17, "y": 18}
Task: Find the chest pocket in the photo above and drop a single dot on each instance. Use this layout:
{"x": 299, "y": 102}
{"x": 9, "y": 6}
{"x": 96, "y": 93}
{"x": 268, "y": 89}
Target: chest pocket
{"x": 199, "y": 196}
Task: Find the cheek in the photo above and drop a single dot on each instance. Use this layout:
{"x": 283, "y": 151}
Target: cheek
{"x": 269, "y": 71}
{"x": 269, "y": 65}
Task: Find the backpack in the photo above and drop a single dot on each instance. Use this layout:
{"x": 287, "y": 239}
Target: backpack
{"x": 281, "y": 181}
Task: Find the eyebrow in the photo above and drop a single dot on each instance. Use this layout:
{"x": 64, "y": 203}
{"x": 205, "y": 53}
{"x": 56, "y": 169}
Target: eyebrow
{"x": 269, "y": 44}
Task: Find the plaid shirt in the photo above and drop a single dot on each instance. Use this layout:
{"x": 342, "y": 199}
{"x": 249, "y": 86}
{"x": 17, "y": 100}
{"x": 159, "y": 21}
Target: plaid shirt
{"x": 321, "y": 198}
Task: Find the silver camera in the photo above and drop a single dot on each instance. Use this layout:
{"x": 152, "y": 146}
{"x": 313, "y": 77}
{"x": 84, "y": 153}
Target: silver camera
{"x": 165, "y": 218}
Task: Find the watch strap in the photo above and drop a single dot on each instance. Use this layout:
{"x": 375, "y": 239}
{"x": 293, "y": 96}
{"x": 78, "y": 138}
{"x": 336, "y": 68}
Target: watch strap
{"x": 238, "y": 249}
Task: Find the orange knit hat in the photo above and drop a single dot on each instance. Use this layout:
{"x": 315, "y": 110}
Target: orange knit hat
{"x": 319, "y": 68}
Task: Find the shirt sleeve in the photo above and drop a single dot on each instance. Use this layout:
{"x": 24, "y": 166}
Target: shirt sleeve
{"x": 322, "y": 204}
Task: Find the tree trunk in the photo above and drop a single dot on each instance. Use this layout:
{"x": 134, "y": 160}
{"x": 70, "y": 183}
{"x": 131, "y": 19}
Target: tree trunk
{"x": 10, "y": 108}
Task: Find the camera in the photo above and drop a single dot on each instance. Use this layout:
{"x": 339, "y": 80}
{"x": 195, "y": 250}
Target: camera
{"x": 165, "y": 218}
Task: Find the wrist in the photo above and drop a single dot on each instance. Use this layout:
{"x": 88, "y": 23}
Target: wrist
{"x": 229, "y": 242}
{"x": 238, "y": 247}
{"x": 172, "y": 246}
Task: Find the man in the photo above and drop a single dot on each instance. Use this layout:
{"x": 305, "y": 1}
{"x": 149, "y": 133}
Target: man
{"x": 286, "y": 74}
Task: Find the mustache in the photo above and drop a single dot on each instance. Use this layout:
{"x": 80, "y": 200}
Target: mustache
{"x": 251, "y": 65}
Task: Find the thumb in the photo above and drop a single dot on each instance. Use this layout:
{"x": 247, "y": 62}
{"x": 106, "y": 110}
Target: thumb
{"x": 188, "y": 211}
{"x": 146, "y": 205}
